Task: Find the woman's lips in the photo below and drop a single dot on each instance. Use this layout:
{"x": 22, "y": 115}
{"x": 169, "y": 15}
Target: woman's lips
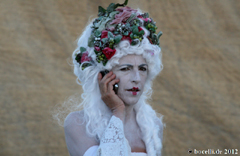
{"x": 134, "y": 91}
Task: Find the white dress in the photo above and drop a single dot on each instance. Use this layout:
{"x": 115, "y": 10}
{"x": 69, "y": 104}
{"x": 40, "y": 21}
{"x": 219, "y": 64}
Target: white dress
{"x": 113, "y": 142}
{"x": 92, "y": 151}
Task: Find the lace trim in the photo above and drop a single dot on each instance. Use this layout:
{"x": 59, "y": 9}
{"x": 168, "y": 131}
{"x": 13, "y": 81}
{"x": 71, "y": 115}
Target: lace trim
{"x": 113, "y": 141}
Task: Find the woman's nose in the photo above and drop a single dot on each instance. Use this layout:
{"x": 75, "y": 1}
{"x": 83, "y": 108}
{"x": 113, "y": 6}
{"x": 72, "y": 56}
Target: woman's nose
{"x": 136, "y": 77}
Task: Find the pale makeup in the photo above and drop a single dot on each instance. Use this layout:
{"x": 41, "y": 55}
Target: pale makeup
{"x": 132, "y": 71}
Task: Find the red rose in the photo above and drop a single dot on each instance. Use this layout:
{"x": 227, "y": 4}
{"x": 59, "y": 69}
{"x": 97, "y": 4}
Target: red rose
{"x": 104, "y": 34}
{"x": 85, "y": 57}
{"x": 108, "y": 52}
{"x": 127, "y": 38}
{"x": 139, "y": 29}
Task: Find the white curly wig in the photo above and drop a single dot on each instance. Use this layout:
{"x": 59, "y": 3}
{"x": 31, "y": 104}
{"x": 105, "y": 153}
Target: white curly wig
{"x": 96, "y": 113}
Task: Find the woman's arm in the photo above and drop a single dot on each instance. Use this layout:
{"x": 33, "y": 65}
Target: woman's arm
{"x": 113, "y": 141}
{"x": 76, "y": 137}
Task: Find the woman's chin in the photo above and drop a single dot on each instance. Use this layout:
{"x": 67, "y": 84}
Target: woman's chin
{"x": 130, "y": 98}
{"x": 131, "y": 101}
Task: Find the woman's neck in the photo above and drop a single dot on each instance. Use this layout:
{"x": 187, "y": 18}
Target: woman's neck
{"x": 127, "y": 114}
{"x": 130, "y": 114}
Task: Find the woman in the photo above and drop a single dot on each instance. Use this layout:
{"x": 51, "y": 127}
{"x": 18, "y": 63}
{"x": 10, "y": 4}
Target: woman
{"x": 116, "y": 119}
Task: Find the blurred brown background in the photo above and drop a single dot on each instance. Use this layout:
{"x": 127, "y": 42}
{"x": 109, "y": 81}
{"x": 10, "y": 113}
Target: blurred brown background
{"x": 197, "y": 91}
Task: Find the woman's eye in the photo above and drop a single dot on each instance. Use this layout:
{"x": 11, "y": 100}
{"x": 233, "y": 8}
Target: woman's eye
{"x": 143, "y": 69}
{"x": 125, "y": 69}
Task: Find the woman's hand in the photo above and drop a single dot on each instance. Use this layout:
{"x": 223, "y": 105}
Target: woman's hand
{"x": 108, "y": 95}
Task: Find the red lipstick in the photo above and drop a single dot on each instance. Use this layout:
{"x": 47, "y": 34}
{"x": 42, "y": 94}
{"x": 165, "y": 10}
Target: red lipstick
{"x": 134, "y": 90}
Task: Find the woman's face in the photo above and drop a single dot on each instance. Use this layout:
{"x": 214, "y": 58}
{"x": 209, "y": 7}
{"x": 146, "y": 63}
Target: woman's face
{"x": 132, "y": 72}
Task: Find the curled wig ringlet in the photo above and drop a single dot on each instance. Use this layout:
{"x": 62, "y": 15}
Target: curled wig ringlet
{"x": 95, "y": 112}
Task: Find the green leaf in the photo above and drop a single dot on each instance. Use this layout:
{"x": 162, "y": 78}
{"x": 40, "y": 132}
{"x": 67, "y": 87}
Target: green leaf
{"x": 111, "y": 7}
{"x": 117, "y": 39}
{"x": 90, "y": 44}
{"x": 104, "y": 21}
{"x": 112, "y": 14}
{"x": 91, "y": 41}
{"x": 100, "y": 18}
{"x": 97, "y": 33}
{"x": 96, "y": 25}
{"x": 131, "y": 17}
{"x": 159, "y": 34}
{"x": 110, "y": 34}
{"x": 102, "y": 24}
{"x": 135, "y": 30}
{"x": 155, "y": 39}
{"x": 125, "y": 3}
{"x": 152, "y": 29}
{"x": 104, "y": 40}
{"x": 127, "y": 25}
{"x": 131, "y": 35}
{"x": 141, "y": 32}
{"x": 82, "y": 49}
{"x": 100, "y": 44}
{"x": 125, "y": 33}
{"x": 116, "y": 32}
{"x": 145, "y": 15}
{"x": 104, "y": 63}
{"x": 101, "y": 10}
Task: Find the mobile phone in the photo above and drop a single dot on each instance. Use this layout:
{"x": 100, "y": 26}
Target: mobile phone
{"x": 115, "y": 86}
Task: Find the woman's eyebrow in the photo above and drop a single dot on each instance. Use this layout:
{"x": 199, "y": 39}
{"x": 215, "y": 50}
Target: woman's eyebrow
{"x": 143, "y": 65}
{"x": 129, "y": 65}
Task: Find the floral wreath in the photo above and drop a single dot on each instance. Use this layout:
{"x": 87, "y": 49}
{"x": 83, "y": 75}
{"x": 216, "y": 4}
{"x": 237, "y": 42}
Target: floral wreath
{"x": 112, "y": 26}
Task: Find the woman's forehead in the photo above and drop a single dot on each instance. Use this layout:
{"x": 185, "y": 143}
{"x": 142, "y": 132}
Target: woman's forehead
{"x": 132, "y": 59}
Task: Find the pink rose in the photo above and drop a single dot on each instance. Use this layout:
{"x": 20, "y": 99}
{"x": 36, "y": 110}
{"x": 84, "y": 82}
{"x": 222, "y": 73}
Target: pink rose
{"x": 97, "y": 48}
{"x": 126, "y": 8}
{"x": 108, "y": 52}
{"x": 85, "y": 57}
{"x": 125, "y": 13}
{"x": 144, "y": 19}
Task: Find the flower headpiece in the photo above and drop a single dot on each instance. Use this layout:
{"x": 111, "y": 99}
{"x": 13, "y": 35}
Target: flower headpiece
{"x": 114, "y": 25}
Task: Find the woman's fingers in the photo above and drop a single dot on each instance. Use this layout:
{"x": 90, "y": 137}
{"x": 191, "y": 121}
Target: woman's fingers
{"x": 107, "y": 75}
{"x": 103, "y": 82}
{"x": 102, "y": 78}
{"x": 107, "y": 94}
{"x": 109, "y": 79}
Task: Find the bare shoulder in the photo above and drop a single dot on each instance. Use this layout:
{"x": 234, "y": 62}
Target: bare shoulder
{"x": 77, "y": 140}
{"x": 74, "y": 118}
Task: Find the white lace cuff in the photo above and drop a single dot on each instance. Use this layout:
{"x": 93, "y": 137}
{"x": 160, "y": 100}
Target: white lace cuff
{"x": 113, "y": 141}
